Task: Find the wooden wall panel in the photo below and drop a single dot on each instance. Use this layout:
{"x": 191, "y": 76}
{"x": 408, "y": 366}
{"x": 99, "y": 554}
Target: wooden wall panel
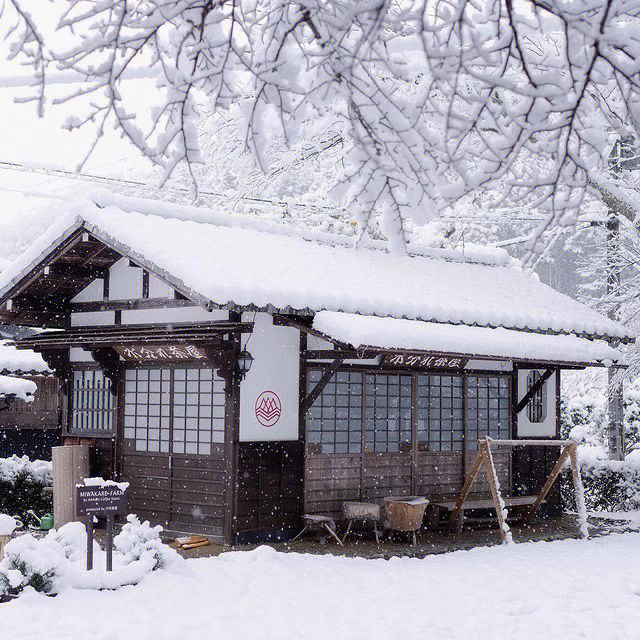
{"x": 42, "y": 413}
{"x": 186, "y": 496}
{"x": 270, "y": 488}
{"x": 438, "y": 475}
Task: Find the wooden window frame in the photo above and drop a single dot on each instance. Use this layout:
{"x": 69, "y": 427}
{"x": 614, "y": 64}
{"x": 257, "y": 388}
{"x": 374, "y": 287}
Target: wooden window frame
{"x": 112, "y": 411}
{"x": 537, "y": 406}
{"x": 505, "y": 402}
{"x": 217, "y": 392}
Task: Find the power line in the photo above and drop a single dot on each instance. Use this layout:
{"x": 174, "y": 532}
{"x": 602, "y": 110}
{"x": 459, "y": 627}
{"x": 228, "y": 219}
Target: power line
{"x": 502, "y": 215}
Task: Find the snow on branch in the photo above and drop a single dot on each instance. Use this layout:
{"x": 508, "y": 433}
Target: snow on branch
{"x": 435, "y": 98}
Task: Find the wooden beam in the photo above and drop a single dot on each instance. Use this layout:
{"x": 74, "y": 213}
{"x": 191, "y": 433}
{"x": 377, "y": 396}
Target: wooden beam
{"x": 109, "y": 362}
{"x": 36, "y": 272}
{"x": 528, "y": 443}
{"x": 81, "y": 266}
{"x": 555, "y": 472}
{"x": 317, "y": 390}
{"x": 130, "y": 304}
{"x": 329, "y": 354}
{"x": 494, "y": 485}
{"x": 287, "y": 321}
{"x": 456, "y": 514}
{"x": 534, "y": 389}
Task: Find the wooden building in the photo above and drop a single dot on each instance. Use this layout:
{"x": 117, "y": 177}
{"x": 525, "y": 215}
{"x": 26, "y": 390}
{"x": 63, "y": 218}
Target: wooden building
{"x": 371, "y": 374}
{"x": 29, "y": 428}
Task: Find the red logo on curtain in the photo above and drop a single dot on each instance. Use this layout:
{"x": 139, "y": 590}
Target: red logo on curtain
{"x": 268, "y": 408}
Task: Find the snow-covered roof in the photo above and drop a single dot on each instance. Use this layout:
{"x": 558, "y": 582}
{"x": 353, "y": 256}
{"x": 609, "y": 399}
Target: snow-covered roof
{"x": 222, "y": 264}
{"x": 391, "y": 333}
{"x": 18, "y": 387}
{"x": 14, "y": 360}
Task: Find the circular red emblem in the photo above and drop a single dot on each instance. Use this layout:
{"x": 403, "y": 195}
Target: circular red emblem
{"x": 268, "y": 408}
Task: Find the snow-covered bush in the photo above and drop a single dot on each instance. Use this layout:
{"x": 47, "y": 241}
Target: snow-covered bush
{"x": 608, "y": 485}
{"x": 139, "y": 541}
{"x": 21, "y": 485}
{"x": 58, "y": 560}
{"x": 36, "y": 470}
{"x": 31, "y": 562}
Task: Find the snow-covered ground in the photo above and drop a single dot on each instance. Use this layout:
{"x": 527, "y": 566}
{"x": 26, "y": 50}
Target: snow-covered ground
{"x": 567, "y": 589}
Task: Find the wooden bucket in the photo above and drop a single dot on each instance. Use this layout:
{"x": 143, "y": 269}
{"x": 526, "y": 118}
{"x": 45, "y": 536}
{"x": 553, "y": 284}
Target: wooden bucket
{"x": 405, "y": 513}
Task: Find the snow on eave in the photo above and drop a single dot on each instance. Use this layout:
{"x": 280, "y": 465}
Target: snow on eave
{"x": 17, "y": 387}
{"x": 87, "y": 222}
{"x": 21, "y": 361}
{"x": 371, "y": 333}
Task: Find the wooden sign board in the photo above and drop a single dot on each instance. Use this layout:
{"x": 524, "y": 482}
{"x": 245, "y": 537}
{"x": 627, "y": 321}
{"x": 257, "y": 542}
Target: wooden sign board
{"x": 160, "y": 353}
{"x": 423, "y": 361}
{"x": 100, "y": 500}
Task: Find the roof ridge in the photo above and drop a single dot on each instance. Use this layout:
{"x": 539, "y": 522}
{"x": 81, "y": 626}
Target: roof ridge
{"x": 205, "y": 215}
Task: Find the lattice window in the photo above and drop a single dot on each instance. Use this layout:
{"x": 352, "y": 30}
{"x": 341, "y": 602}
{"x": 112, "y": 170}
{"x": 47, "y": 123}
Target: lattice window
{"x": 488, "y": 408}
{"x": 92, "y": 403}
{"x": 181, "y": 410}
{"x": 147, "y": 408}
{"x": 387, "y": 412}
{"x": 537, "y": 406}
{"x": 440, "y": 413}
{"x": 334, "y": 421}
{"x": 198, "y": 410}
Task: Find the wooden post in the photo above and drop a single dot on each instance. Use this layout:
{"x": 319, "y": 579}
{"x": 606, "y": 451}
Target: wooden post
{"x": 456, "y": 514}
{"x": 70, "y": 466}
{"x": 615, "y": 427}
{"x": 494, "y": 485}
{"x": 109, "y": 542}
{"x": 579, "y": 490}
{"x": 555, "y": 472}
{"x": 89, "y": 526}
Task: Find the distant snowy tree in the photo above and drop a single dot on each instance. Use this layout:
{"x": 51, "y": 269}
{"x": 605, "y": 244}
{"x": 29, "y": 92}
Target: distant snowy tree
{"x": 434, "y": 99}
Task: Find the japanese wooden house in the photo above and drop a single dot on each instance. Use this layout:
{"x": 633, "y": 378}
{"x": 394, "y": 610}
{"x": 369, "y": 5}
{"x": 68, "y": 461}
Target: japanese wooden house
{"x": 29, "y": 428}
{"x": 372, "y": 374}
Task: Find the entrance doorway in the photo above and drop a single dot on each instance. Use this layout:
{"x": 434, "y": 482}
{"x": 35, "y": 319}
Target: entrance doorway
{"x": 172, "y": 446}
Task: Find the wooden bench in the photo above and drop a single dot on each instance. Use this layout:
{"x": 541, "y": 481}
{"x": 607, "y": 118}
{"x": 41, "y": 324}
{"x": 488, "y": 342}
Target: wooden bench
{"x": 439, "y": 509}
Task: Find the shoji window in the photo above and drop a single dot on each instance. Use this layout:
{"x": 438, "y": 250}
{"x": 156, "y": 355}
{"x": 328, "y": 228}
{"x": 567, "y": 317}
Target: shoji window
{"x": 440, "y": 421}
{"x": 387, "y": 412}
{"x": 92, "y": 403}
{"x": 198, "y": 410}
{"x": 147, "y": 408}
{"x": 488, "y": 408}
{"x": 334, "y": 421}
{"x": 174, "y": 410}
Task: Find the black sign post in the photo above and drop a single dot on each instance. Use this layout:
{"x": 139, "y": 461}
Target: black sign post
{"x": 103, "y": 500}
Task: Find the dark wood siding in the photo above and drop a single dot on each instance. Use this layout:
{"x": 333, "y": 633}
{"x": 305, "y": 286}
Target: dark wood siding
{"x": 42, "y": 413}
{"x": 270, "y": 488}
{"x": 438, "y": 475}
{"x": 329, "y": 480}
{"x": 182, "y": 493}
